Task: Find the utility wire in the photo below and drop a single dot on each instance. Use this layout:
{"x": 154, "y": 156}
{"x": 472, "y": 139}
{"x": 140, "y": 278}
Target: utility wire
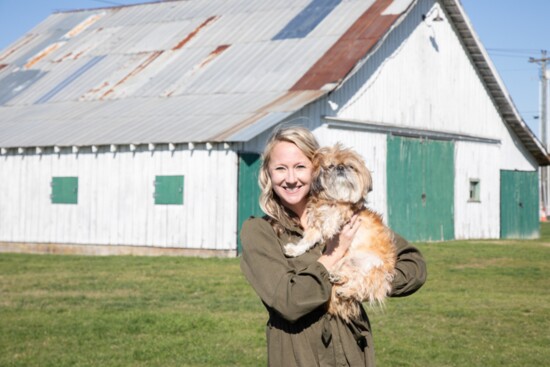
{"x": 514, "y": 50}
{"x": 508, "y": 55}
{"x": 108, "y": 2}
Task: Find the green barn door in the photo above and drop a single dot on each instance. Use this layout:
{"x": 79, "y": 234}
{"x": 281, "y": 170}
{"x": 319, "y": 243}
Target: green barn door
{"x": 420, "y": 175}
{"x": 249, "y": 191}
{"x": 519, "y": 204}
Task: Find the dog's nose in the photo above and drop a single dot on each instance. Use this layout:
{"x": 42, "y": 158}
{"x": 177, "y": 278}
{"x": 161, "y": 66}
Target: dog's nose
{"x": 340, "y": 168}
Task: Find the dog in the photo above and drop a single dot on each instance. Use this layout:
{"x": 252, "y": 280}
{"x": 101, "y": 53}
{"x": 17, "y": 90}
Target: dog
{"x": 340, "y": 184}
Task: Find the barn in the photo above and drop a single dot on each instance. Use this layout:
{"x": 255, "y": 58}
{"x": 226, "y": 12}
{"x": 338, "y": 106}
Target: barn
{"x": 137, "y": 129}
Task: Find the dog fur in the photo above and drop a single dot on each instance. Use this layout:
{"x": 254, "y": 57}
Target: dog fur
{"x": 340, "y": 184}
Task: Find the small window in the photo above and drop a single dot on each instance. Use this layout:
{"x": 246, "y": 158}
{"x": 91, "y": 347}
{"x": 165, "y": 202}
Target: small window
{"x": 64, "y": 190}
{"x": 474, "y": 190}
{"x": 168, "y": 190}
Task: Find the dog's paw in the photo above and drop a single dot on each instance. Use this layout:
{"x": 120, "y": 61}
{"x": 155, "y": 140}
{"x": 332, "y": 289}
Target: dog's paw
{"x": 344, "y": 294}
{"x": 338, "y": 279}
{"x": 335, "y": 278}
{"x": 292, "y": 250}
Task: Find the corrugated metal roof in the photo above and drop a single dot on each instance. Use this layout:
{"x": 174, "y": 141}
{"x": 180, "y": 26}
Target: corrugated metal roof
{"x": 166, "y": 72}
{"x": 180, "y": 71}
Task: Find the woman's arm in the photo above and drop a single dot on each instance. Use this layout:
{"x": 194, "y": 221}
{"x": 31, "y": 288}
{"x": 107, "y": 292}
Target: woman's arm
{"x": 411, "y": 270}
{"x": 292, "y": 294}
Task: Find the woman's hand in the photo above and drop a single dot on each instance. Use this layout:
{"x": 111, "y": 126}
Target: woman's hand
{"x": 337, "y": 247}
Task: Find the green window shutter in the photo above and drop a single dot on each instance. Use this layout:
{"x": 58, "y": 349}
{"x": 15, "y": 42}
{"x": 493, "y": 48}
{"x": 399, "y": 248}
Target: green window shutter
{"x": 64, "y": 190}
{"x": 169, "y": 190}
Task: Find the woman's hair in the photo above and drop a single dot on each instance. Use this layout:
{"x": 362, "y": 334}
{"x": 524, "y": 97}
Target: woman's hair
{"x": 281, "y": 217}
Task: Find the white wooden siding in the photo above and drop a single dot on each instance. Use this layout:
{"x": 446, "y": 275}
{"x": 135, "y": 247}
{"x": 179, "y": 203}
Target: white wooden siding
{"x": 115, "y": 199}
{"x": 477, "y": 219}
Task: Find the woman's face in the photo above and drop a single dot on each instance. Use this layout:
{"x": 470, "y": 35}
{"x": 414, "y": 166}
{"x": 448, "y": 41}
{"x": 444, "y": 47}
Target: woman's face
{"x": 290, "y": 172}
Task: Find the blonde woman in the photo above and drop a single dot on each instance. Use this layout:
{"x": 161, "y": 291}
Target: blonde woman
{"x": 296, "y": 291}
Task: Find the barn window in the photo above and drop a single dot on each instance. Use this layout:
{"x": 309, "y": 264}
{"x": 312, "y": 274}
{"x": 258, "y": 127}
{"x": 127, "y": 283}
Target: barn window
{"x": 64, "y": 190}
{"x": 474, "y": 190}
{"x": 168, "y": 190}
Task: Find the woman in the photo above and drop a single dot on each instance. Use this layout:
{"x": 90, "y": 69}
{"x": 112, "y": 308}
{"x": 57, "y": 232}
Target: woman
{"x": 295, "y": 291}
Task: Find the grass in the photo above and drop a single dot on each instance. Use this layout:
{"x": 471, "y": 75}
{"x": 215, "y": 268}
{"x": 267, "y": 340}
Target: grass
{"x": 127, "y": 311}
{"x": 486, "y": 303}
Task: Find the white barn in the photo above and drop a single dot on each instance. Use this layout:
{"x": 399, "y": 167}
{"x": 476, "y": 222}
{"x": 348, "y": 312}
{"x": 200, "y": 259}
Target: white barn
{"x": 136, "y": 130}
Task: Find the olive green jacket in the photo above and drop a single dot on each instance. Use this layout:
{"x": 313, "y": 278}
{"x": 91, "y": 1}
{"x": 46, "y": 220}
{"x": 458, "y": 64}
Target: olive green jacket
{"x": 295, "y": 292}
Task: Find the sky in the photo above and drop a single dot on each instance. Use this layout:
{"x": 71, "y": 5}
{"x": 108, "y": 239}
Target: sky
{"x": 512, "y": 31}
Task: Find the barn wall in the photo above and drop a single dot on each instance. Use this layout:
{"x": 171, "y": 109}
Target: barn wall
{"x": 115, "y": 199}
{"x": 477, "y": 219}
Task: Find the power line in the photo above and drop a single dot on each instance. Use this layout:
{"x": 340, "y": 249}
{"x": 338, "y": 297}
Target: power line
{"x": 513, "y": 50}
{"x": 516, "y": 69}
{"x": 108, "y": 2}
{"x": 507, "y": 55}
{"x": 510, "y": 52}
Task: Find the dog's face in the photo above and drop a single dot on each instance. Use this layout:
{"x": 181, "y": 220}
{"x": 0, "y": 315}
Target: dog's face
{"x": 340, "y": 174}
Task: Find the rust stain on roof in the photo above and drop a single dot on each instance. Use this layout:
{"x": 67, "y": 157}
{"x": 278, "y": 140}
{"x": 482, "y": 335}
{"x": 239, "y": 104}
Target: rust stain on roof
{"x": 137, "y": 70}
{"x": 63, "y": 58}
{"x": 26, "y": 39}
{"x": 191, "y": 35}
{"x": 42, "y": 54}
{"x": 354, "y": 44}
{"x": 218, "y": 51}
{"x": 83, "y": 25}
{"x": 70, "y": 55}
{"x": 292, "y": 100}
{"x": 207, "y": 60}
{"x": 95, "y": 90}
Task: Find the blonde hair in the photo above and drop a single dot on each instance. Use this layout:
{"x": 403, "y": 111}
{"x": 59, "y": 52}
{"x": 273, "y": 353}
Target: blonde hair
{"x": 281, "y": 217}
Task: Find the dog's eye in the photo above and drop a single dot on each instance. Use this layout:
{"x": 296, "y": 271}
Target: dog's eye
{"x": 331, "y": 166}
{"x": 350, "y": 166}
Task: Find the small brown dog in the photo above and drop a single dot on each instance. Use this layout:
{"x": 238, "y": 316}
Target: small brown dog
{"x": 340, "y": 184}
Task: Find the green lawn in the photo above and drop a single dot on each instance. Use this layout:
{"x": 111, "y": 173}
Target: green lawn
{"x": 486, "y": 303}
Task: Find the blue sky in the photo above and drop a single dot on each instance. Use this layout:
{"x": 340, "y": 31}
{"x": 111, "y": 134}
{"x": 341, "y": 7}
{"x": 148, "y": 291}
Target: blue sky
{"x": 511, "y": 30}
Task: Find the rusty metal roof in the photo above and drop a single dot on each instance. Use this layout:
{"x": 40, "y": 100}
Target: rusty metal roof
{"x": 192, "y": 71}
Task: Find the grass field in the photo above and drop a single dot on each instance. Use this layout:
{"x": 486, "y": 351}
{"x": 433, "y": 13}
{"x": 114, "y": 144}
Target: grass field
{"x": 486, "y": 303}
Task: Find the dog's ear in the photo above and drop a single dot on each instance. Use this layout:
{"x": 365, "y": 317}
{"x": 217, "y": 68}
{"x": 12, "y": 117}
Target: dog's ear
{"x": 366, "y": 177}
{"x": 317, "y": 162}
{"x": 316, "y": 186}
{"x": 368, "y": 182}
{"x": 318, "y": 156}
{"x": 364, "y": 173}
